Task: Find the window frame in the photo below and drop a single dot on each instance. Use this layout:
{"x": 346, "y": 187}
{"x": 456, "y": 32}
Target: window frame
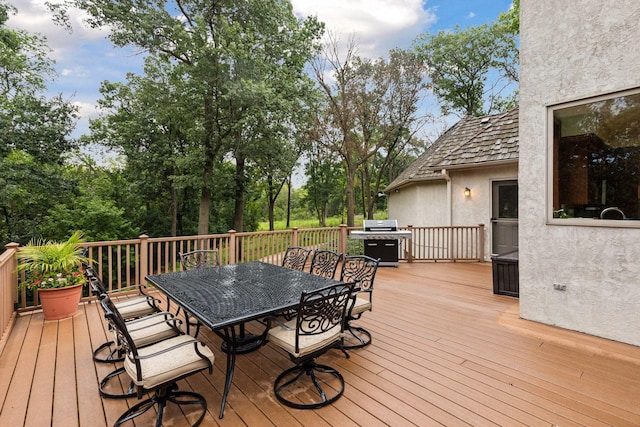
{"x": 584, "y": 222}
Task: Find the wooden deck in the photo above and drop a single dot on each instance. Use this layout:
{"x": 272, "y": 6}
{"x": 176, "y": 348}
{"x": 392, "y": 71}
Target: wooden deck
{"x": 446, "y": 351}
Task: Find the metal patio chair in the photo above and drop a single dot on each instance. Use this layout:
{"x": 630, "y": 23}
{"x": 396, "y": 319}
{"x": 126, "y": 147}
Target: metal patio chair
{"x": 361, "y": 270}
{"x": 324, "y": 263}
{"x": 317, "y": 328}
{"x": 158, "y": 367}
{"x": 296, "y": 257}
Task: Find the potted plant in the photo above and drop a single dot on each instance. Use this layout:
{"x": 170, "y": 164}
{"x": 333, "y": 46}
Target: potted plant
{"x": 54, "y": 270}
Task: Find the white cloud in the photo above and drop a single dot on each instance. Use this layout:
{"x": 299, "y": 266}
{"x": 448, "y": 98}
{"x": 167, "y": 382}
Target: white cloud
{"x": 471, "y": 15}
{"x": 87, "y": 110}
{"x": 378, "y": 25}
{"x": 34, "y": 17}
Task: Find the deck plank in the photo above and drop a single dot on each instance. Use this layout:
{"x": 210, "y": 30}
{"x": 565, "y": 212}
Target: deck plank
{"x": 445, "y": 351}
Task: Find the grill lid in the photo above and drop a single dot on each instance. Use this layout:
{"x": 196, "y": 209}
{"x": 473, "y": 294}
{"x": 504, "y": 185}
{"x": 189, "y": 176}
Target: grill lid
{"x": 380, "y": 225}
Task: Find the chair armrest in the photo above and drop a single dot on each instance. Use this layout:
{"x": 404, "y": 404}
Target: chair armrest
{"x": 277, "y": 322}
{"x": 193, "y": 341}
{"x": 156, "y": 319}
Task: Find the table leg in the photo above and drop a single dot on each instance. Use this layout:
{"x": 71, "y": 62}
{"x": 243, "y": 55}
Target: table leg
{"x": 229, "y": 337}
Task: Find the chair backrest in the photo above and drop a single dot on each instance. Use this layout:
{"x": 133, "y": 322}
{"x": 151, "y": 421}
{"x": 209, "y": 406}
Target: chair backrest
{"x": 199, "y": 259}
{"x": 97, "y": 287}
{"x": 120, "y": 330}
{"x": 322, "y": 310}
{"x": 296, "y": 257}
{"x": 324, "y": 263}
{"x": 359, "y": 269}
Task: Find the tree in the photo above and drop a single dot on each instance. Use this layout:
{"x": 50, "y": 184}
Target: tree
{"x": 34, "y": 134}
{"x": 462, "y": 65}
{"x": 226, "y": 53}
{"x": 146, "y": 119}
{"x": 324, "y": 182}
{"x": 390, "y": 92}
{"x": 28, "y": 121}
{"x": 369, "y": 109}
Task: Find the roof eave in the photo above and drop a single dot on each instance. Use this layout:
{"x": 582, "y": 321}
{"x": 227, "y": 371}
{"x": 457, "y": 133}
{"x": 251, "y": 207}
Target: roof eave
{"x": 409, "y": 181}
{"x": 489, "y": 163}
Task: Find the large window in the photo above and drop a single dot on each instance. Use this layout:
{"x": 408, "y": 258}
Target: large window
{"x": 595, "y": 169}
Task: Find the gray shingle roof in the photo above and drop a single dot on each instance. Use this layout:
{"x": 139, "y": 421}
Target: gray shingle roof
{"x": 472, "y": 141}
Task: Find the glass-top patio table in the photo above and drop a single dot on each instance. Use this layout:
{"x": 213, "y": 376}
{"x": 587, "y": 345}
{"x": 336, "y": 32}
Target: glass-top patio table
{"x": 227, "y": 296}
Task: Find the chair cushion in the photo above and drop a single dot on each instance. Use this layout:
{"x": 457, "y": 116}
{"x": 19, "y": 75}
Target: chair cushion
{"x": 135, "y": 307}
{"x": 308, "y": 343}
{"x": 163, "y": 367}
{"x": 361, "y": 305}
{"x": 151, "y": 329}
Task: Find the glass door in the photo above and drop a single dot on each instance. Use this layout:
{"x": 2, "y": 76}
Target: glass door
{"x": 504, "y": 221}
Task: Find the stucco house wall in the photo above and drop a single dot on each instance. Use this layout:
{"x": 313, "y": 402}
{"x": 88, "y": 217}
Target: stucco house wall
{"x": 420, "y": 205}
{"x": 477, "y": 208}
{"x": 473, "y": 154}
{"x": 425, "y": 204}
{"x": 571, "y": 51}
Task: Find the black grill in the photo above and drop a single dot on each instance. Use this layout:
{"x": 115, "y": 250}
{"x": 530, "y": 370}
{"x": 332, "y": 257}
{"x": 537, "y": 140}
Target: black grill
{"x": 378, "y": 246}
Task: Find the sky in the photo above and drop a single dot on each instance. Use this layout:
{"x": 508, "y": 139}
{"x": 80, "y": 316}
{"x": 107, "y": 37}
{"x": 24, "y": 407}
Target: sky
{"x": 85, "y": 57}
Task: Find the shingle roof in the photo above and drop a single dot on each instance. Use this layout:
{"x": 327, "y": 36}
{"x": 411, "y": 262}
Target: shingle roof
{"x": 472, "y": 141}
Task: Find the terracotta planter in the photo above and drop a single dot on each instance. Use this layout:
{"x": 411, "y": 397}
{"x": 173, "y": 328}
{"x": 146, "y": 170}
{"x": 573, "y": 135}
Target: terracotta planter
{"x": 60, "y": 303}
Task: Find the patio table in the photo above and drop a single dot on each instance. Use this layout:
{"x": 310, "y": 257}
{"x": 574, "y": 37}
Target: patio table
{"x": 227, "y": 296}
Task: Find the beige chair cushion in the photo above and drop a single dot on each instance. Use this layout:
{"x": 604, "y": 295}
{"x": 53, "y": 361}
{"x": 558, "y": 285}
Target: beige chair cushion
{"x": 308, "y": 343}
{"x": 162, "y": 367}
{"x": 361, "y": 305}
{"x": 151, "y": 329}
{"x": 135, "y": 307}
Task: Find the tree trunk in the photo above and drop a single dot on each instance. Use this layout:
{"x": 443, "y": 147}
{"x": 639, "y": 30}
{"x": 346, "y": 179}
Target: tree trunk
{"x": 203, "y": 213}
{"x": 289, "y": 203}
{"x": 174, "y": 212}
{"x": 351, "y": 201}
{"x": 272, "y": 203}
{"x": 238, "y": 216}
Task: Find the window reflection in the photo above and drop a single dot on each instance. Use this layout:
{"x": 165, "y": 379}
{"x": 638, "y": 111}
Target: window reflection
{"x": 596, "y": 159}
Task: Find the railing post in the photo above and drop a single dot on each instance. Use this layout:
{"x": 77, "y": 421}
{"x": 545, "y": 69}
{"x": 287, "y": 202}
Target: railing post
{"x": 481, "y": 242}
{"x": 342, "y": 240}
{"x": 144, "y": 257}
{"x": 410, "y": 244}
{"x": 294, "y": 237}
{"x": 12, "y": 250}
{"x": 232, "y": 246}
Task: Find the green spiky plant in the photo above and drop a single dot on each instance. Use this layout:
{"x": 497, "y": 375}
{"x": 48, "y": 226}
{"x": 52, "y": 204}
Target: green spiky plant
{"x": 50, "y": 264}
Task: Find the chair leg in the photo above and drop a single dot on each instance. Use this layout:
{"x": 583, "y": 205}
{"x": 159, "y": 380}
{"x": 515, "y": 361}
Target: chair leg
{"x": 361, "y": 335}
{"x": 301, "y": 372}
{"x": 107, "y": 379}
{"x": 111, "y": 357}
{"x": 164, "y": 394}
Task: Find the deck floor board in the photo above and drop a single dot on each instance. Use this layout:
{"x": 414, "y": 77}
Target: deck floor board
{"x": 445, "y": 351}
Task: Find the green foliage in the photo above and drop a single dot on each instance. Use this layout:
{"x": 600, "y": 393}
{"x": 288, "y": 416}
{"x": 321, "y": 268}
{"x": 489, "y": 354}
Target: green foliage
{"x": 28, "y": 121}
{"x": 51, "y": 264}
{"x": 221, "y": 79}
{"x": 324, "y": 185}
{"x": 28, "y": 190}
{"x": 474, "y": 70}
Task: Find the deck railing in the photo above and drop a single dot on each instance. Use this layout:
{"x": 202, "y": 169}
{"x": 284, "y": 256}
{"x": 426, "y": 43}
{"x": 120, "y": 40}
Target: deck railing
{"x": 125, "y": 263}
{"x": 453, "y": 243}
{"x": 8, "y": 291}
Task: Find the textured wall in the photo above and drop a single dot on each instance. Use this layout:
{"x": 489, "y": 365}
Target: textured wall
{"x": 569, "y": 51}
{"x": 420, "y": 205}
{"x": 425, "y": 204}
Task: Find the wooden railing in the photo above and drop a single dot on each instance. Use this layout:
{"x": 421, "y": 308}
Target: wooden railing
{"x": 453, "y": 243}
{"x": 125, "y": 263}
{"x": 8, "y": 291}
